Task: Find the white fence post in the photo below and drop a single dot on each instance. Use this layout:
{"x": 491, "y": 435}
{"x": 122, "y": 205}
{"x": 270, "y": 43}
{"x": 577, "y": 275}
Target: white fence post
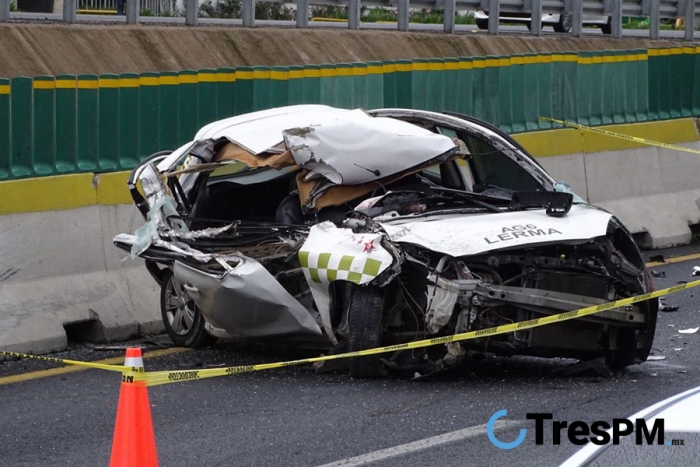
{"x": 354, "y": 11}
{"x": 654, "y": 19}
{"x": 536, "y": 18}
{"x": 689, "y": 19}
{"x": 302, "y": 13}
{"x": 69, "y": 10}
{"x": 403, "y": 15}
{"x": 449, "y": 16}
{"x": 577, "y": 18}
{"x": 616, "y": 19}
{"x": 4, "y": 11}
{"x": 191, "y": 12}
{"x": 494, "y": 13}
{"x": 132, "y": 11}
{"x": 248, "y": 13}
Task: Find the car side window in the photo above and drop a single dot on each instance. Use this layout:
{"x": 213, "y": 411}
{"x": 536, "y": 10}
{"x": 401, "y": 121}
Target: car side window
{"x": 491, "y": 168}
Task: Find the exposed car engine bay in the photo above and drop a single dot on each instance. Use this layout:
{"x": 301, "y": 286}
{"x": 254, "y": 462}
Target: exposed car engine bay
{"x": 436, "y": 295}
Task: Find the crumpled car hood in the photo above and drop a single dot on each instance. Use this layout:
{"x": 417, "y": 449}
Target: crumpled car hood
{"x": 355, "y": 148}
{"x": 348, "y": 147}
{"x": 460, "y": 235}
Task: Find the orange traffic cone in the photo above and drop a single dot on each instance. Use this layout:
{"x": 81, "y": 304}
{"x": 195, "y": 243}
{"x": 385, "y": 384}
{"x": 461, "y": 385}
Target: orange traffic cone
{"x": 134, "y": 442}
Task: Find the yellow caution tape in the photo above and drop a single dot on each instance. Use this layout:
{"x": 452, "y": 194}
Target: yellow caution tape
{"x": 156, "y": 378}
{"x": 99, "y": 366}
{"x": 621, "y": 136}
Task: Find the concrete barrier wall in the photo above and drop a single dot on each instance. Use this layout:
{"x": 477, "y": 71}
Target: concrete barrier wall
{"x": 651, "y": 189}
{"x": 59, "y": 267}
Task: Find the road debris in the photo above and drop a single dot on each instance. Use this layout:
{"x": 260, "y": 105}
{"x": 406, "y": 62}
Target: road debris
{"x": 696, "y": 271}
{"x": 689, "y": 330}
{"x": 106, "y": 348}
{"x": 668, "y": 308}
{"x": 657, "y": 258}
{"x": 596, "y": 366}
{"x": 658, "y": 273}
{"x": 654, "y": 358}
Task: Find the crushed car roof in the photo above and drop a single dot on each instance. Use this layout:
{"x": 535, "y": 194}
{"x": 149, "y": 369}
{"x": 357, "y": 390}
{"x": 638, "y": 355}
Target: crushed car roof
{"x": 259, "y": 131}
{"x": 347, "y": 147}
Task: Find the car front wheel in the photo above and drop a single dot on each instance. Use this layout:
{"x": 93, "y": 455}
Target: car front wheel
{"x": 625, "y": 347}
{"x": 365, "y": 329}
{"x": 182, "y": 318}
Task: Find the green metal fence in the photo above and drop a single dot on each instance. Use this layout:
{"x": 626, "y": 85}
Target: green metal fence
{"x": 88, "y": 123}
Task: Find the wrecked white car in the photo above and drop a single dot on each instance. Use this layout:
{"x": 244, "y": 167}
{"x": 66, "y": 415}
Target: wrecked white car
{"x": 358, "y": 229}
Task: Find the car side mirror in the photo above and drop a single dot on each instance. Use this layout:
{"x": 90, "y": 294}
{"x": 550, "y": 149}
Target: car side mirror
{"x": 556, "y": 204}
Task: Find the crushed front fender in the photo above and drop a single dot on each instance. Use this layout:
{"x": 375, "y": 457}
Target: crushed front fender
{"x": 246, "y": 300}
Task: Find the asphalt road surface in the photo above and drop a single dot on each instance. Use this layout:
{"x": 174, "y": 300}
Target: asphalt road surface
{"x": 295, "y": 417}
{"x": 416, "y": 27}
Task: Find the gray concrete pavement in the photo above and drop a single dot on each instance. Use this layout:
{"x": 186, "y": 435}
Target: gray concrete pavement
{"x": 416, "y": 27}
{"x": 295, "y": 417}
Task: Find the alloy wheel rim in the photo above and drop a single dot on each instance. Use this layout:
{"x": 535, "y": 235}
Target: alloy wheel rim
{"x": 180, "y": 309}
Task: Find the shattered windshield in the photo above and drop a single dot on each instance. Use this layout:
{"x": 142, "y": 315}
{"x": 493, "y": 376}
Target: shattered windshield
{"x": 494, "y": 172}
{"x": 564, "y": 187}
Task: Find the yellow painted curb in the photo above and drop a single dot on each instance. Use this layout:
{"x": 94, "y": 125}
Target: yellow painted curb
{"x": 61, "y": 192}
{"x": 47, "y": 193}
{"x": 561, "y": 142}
{"x": 551, "y": 142}
{"x": 111, "y": 189}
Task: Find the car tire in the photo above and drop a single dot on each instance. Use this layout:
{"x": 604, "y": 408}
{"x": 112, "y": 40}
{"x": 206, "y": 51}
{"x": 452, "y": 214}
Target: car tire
{"x": 182, "y": 318}
{"x": 564, "y": 24}
{"x": 365, "y": 330}
{"x": 607, "y": 27}
{"x": 482, "y": 23}
{"x": 625, "y": 351}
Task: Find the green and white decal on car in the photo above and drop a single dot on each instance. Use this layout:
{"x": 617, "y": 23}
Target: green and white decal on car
{"x": 329, "y": 267}
{"x": 333, "y": 254}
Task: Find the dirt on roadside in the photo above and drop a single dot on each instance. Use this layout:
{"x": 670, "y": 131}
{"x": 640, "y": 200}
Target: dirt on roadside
{"x": 51, "y": 49}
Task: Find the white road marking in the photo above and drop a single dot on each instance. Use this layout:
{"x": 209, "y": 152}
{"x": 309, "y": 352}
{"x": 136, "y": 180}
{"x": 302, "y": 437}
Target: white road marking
{"x": 421, "y": 444}
{"x": 665, "y": 365}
